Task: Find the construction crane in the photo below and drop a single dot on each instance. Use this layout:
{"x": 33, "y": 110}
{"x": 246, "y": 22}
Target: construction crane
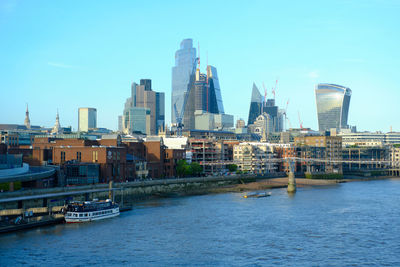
{"x": 274, "y": 88}
{"x": 179, "y": 116}
{"x": 285, "y": 113}
{"x": 300, "y": 122}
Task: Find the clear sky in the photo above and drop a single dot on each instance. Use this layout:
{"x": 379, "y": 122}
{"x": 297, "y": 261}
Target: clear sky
{"x": 69, "y": 54}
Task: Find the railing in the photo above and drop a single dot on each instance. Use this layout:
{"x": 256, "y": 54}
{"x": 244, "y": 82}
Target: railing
{"x": 307, "y": 160}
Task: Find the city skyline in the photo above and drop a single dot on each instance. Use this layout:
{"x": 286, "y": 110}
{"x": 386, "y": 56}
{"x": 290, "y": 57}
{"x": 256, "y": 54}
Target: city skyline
{"x": 60, "y": 57}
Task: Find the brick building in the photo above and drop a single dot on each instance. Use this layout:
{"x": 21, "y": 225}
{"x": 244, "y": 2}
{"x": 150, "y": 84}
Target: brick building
{"x": 326, "y": 148}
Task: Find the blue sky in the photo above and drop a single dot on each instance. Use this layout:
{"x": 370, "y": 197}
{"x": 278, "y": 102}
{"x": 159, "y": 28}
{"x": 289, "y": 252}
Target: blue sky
{"x": 69, "y": 54}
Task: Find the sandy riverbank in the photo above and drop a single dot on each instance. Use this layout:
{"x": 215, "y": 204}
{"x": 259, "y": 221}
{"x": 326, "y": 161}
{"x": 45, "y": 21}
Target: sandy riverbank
{"x": 282, "y": 183}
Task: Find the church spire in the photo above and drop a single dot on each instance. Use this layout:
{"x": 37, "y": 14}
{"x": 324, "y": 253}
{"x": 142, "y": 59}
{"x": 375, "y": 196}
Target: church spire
{"x": 57, "y": 127}
{"x": 27, "y": 121}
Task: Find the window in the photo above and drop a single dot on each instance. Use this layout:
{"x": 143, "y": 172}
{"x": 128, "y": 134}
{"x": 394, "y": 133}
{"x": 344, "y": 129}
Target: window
{"x": 94, "y": 156}
{"x": 62, "y": 156}
{"x": 78, "y": 156}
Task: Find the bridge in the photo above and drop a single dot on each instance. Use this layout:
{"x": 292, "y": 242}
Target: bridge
{"x": 393, "y": 166}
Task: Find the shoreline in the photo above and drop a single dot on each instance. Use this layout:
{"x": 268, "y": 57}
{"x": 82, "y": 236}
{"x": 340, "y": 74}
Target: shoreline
{"x": 282, "y": 182}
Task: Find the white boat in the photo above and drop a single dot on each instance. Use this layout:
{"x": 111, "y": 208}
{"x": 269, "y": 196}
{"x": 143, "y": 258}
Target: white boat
{"x": 87, "y": 211}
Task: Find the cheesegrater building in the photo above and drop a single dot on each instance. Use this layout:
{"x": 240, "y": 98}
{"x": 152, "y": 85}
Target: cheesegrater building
{"x": 333, "y": 103}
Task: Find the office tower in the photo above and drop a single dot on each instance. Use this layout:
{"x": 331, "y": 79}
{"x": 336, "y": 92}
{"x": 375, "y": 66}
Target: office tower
{"x": 185, "y": 61}
{"x": 214, "y": 102}
{"x": 144, "y": 111}
{"x": 240, "y": 123}
{"x": 332, "y": 106}
{"x": 87, "y": 119}
{"x": 27, "y": 121}
{"x": 204, "y": 97}
{"x": 255, "y": 105}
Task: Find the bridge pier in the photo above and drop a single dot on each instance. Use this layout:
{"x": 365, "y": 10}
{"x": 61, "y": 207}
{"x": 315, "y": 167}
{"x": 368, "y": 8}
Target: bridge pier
{"x": 291, "y": 178}
{"x": 291, "y": 188}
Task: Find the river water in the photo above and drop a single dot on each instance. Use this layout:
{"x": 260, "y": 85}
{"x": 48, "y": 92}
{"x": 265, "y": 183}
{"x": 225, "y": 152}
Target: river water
{"x": 349, "y": 224}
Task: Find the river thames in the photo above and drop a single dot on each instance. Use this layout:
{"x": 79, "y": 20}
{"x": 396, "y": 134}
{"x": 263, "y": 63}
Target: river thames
{"x": 349, "y": 224}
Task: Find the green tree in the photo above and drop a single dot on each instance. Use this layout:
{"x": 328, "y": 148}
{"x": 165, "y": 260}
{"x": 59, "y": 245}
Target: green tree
{"x": 182, "y": 168}
{"x": 196, "y": 169}
{"x": 232, "y": 167}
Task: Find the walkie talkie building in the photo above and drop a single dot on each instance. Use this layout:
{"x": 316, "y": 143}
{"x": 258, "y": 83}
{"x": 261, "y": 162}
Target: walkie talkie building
{"x": 332, "y": 106}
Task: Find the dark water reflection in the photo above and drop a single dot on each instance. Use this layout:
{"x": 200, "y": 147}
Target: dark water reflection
{"x": 348, "y": 224}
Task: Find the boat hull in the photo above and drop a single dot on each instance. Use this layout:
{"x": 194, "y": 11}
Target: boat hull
{"x": 81, "y": 217}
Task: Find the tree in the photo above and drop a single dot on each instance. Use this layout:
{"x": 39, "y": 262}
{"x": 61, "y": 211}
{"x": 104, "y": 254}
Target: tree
{"x": 232, "y": 167}
{"x": 196, "y": 169}
{"x": 183, "y": 168}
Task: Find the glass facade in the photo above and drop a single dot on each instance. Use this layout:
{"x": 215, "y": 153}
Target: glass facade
{"x": 255, "y": 105}
{"x": 139, "y": 119}
{"x": 332, "y": 106}
{"x": 87, "y": 119}
{"x": 215, "y": 91}
{"x": 184, "y": 60}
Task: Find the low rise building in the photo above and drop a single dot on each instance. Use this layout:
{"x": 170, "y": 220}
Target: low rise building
{"x": 326, "y": 150}
{"x": 394, "y": 157}
{"x": 255, "y": 158}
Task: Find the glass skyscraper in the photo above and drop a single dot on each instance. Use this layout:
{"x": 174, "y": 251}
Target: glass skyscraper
{"x": 332, "y": 106}
{"x": 184, "y": 62}
{"x": 255, "y": 105}
{"x": 215, "y": 104}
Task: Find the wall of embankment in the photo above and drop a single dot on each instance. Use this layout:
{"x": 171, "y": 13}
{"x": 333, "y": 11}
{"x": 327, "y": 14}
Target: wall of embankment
{"x": 124, "y": 193}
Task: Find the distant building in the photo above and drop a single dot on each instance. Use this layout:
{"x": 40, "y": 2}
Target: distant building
{"x": 369, "y": 138}
{"x": 57, "y": 129}
{"x": 240, "y": 123}
{"x": 87, "y": 119}
{"x": 255, "y": 105}
{"x": 204, "y": 100}
{"x": 27, "y": 121}
{"x": 263, "y": 125}
{"x": 332, "y": 106}
{"x": 144, "y": 111}
{"x": 185, "y": 59}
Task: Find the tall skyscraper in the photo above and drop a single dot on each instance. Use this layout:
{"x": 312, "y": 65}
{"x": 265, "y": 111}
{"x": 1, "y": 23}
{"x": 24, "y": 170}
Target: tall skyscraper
{"x": 185, "y": 59}
{"x": 333, "y": 103}
{"x": 144, "y": 111}
{"x": 214, "y": 104}
{"x": 204, "y": 96}
{"x": 87, "y": 119}
{"x": 255, "y": 105}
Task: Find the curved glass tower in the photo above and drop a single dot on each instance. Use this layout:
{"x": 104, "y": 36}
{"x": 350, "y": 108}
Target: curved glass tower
{"x": 332, "y": 106}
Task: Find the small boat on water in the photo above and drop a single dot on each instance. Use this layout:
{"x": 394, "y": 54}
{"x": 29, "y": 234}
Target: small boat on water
{"x": 257, "y": 195}
{"x": 86, "y": 211}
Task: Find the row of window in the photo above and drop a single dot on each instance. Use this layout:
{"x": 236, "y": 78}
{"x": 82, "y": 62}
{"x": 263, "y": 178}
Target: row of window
{"x": 90, "y": 214}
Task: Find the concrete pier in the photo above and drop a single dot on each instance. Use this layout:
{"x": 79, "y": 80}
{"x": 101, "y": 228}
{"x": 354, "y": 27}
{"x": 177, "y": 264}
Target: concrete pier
{"x": 291, "y": 188}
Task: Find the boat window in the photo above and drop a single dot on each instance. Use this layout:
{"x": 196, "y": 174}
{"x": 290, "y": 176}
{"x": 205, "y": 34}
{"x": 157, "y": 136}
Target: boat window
{"x": 86, "y": 214}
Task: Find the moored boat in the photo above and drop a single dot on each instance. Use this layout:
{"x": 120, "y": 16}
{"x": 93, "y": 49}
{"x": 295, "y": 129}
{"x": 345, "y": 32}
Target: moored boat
{"x": 86, "y": 211}
{"x": 257, "y": 195}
